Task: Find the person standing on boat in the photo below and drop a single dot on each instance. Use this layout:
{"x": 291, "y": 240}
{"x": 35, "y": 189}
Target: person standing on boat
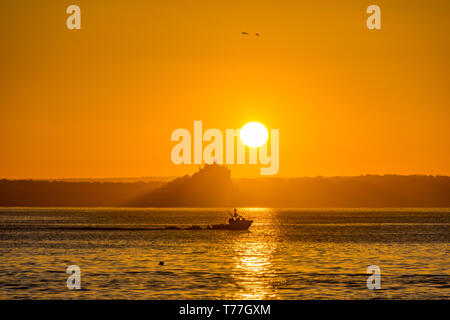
{"x": 236, "y": 216}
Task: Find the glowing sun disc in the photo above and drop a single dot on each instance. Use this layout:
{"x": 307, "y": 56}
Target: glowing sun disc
{"x": 254, "y": 134}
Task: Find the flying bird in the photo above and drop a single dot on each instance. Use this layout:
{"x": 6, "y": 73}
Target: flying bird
{"x": 257, "y": 34}
{"x": 244, "y": 33}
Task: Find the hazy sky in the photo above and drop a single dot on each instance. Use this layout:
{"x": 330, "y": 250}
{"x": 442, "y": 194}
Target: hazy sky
{"x": 103, "y": 101}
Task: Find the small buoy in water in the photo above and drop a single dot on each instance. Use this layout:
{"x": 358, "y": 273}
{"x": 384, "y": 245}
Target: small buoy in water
{"x": 161, "y": 263}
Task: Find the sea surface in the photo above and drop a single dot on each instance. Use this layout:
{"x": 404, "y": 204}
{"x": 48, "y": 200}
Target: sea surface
{"x": 286, "y": 254}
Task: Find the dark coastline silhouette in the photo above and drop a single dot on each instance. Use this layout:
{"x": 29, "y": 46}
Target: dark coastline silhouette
{"x": 212, "y": 186}
{"x": 29, "y": 193}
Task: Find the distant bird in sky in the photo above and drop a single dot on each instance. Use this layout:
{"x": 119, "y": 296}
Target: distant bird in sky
{"x": 246, "y": 34}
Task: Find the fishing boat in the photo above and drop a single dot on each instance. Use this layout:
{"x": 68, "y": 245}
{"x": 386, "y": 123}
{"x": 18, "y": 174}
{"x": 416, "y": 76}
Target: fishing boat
{"x": 236, "y": 222}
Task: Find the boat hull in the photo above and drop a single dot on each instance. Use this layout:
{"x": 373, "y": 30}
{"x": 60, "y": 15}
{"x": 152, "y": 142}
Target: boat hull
{"x": 240, "y": 225}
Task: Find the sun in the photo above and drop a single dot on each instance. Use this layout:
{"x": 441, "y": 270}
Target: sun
{"x": 254, "y": 134}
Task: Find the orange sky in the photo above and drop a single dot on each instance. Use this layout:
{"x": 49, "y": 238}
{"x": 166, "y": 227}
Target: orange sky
{"x": 103, "y": 101}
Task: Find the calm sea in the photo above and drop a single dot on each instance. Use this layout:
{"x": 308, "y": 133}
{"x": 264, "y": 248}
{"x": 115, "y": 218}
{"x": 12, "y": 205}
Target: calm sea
{"x": 287, "y": 254}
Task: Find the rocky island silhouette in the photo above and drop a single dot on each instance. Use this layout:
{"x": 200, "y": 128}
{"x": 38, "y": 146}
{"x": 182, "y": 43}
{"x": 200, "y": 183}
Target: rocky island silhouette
{"x": 211, "y": 186}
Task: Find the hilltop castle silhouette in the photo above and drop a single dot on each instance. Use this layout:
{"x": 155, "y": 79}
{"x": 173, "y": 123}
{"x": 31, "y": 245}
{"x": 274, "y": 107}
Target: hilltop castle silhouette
{"x": 209, "y": 186}
{"x": 213, "y": 171}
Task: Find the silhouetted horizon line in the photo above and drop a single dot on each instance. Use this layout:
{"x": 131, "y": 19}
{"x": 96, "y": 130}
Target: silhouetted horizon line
{"x": 170, "y": 178}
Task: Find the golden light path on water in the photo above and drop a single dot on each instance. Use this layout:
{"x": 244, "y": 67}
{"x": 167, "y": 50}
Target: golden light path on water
{"x": 253, "y": 269}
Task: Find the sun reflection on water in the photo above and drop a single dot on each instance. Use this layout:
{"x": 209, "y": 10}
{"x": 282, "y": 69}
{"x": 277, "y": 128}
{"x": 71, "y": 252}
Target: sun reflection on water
{"x": 253, "y": 270}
